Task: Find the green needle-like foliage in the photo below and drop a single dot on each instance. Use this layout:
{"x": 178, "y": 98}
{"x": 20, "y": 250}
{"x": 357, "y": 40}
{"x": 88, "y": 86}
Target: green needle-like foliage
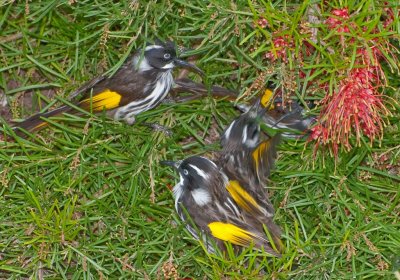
{"x": 86, "y": 198}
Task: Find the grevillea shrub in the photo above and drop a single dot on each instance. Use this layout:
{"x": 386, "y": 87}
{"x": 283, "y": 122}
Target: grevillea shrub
{"x": 356, "y": 108}
{"x": 343, "y": 51}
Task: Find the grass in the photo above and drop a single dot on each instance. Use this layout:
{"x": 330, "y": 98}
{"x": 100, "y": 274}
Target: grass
{"x": 87, "y": 198}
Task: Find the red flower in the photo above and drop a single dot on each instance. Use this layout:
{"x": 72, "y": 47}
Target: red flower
{"x": 389, "y": 15}
{"x": 342, "y": 13}
{"x": 356, "y": 109}
{"x": 262, "y": 22}
{"x": 336, "y": 20}
{"x": 333, "y": 22}
{"x": 280, "y": 47}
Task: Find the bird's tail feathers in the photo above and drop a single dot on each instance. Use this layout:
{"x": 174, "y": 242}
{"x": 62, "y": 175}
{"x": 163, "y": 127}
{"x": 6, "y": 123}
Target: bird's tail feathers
{"x": 38, "y": 121}
{"x": 199, "y": 90}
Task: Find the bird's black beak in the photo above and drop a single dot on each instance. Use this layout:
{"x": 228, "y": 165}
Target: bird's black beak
{"x": 181, "y": 63}
{"x": 172, "y": 163}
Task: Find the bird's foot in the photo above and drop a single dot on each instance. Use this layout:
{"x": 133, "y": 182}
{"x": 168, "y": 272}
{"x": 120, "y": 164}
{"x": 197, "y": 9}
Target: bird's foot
{"x": 159, "y": 127}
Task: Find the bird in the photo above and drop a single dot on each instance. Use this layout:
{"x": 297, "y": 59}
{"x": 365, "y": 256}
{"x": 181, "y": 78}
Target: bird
{"x": 218, "y": 210}
{"x": 227, "y": 199}
{"x": 248, "y": 154}
{"x": 289, "y": 119}
{"x": 140, "y": 84}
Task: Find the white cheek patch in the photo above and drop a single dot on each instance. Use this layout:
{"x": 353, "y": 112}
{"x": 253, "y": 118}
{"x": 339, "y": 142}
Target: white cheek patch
{"x": 201, "y": 197}
{"x": 200, "y": 172}
{"x": 168, "y": 66}
{"x": 251, "y": 143}
{"x": 228, "y": 131}
{"x": 144, "y": 64}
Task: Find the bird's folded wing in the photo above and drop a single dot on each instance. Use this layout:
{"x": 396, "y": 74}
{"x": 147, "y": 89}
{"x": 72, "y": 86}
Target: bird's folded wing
{"x": 232, "y": 233}
{"x": 105, "y": 100}
{"x": 242, "y": 198}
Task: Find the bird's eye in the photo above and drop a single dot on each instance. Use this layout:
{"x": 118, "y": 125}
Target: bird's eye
{"x": 167, "y": 56}
{"x": 185, "y": 172}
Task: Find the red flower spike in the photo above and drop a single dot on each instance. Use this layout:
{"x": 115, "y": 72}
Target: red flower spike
{"x": 336, "y": 21}
{"x": 280, "y": 46}
{"x": 262, "y": 22}
{"x": 354, "y": 110}
{"x": 342, "y": 13}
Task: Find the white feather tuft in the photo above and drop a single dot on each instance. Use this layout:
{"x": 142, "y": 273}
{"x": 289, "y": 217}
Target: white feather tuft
{"x": 227, "y": 133}
{"x": 143, "y": 63}
{"x": 151, "y": 47}
{"x": 200, "y": 172}
{"x": 201, "y": 196}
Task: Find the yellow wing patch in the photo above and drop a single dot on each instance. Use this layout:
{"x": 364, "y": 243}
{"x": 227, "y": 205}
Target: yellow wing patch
{"x": 231, "y": 233}
{"x": 259, "y": 151}
{"x": 241, "y": 197}
{"x": 40, "y": 126}
{"x": 105, "y": 100}
{"x": 266, "y": 99}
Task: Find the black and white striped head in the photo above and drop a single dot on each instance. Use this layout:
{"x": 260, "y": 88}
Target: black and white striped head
{"x": 197, "y": 174}
{"x": 244, "y": 131}
{"x": 290, "y": 119}
{"x": 161, "y": 56}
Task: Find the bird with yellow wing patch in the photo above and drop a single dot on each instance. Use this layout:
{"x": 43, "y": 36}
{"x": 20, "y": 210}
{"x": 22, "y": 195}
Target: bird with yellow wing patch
{"x": 142, "y": 83}
{"x": 217, "y": 209}
{"x": 247, "y": 152}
